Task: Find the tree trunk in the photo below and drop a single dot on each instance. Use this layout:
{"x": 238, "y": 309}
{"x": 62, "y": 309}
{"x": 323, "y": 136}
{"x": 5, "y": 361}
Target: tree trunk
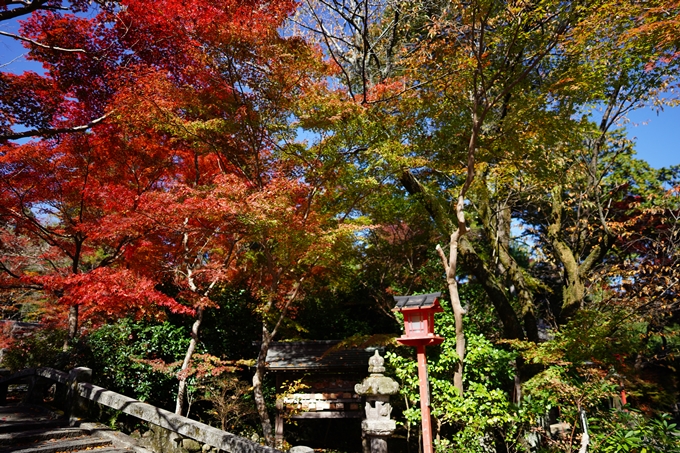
{"x": 512, "y": 328}
{"x": 498, "y": 226}
{"x": 458, "y": 313}
{"x": 73, "y": 309}
{"x": 524, "y": 296}
{"x": 72, "y": 326}
{"x": 258, "y": 379}
{"x": 182, "y": 390}
{"x": 261, "y": 365}
{"x": 575, "y": 273}
{"x": 450, "y": 266}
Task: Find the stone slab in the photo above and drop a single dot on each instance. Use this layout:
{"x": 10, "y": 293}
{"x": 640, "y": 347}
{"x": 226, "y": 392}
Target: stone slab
{"x": 110, "y": 450}
{"x": 118, "y": 439}
{"x": 22, "y": 418}
{"x": 59, "y": 446}
{"x": 301, "y": 449}
{"x": 378, "y": 427}
{"x": 189, "y": 428}
{"x": 8, "y": 439}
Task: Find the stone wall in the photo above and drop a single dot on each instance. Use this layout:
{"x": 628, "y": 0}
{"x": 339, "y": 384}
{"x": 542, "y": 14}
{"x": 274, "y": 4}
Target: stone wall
{"x": 161, "y": 440}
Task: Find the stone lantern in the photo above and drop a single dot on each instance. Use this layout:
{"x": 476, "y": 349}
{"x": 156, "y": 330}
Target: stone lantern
{"x": 418, "y": 314}
{"x": 377, "y": 388}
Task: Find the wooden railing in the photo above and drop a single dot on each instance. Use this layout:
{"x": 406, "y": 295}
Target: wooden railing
{"x": 76, "y": 394}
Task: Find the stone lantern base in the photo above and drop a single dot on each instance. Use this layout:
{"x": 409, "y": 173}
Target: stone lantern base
{"x": 378, "y": 427}
{"x": 376, "y": 433}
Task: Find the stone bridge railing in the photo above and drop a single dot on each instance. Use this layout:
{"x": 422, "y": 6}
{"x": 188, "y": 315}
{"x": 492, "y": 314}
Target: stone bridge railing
{"x": 76, "y": 393}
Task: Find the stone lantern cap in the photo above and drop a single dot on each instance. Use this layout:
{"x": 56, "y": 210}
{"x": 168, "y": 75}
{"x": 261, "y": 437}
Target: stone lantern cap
{"x": 377, "y": 383}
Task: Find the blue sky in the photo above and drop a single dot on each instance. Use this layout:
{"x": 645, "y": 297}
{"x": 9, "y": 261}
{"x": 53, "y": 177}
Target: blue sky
{"x": 657, "y": 134}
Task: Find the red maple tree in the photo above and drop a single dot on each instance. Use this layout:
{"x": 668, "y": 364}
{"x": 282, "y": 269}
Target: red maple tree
{"x": 186, "y": 179}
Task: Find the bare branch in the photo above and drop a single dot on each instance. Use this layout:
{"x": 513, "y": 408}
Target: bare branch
{"x": 12, "y": 60}
{"x": 27, "y": 7}
{"x": 445, "y": 260}
{"x": 39, "y": 44}
{"x": 47, "y": 132}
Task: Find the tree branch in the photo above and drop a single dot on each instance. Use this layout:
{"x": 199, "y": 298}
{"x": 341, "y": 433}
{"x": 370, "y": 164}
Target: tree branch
{"x": 47, "y": 132}
{"x": 39, "y": 44}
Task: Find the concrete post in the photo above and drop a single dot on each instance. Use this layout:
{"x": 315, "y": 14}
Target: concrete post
{"x": 76, "y": 407}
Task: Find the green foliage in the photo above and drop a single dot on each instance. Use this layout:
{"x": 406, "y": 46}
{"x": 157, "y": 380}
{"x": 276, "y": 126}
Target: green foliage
{"x": 405, "y": 369}
{"x": 576, "y": 373}
{"x": 632, "y": 432}
{"x": 118, "y": 352}
{"x": 598, "y": 351}
{"x": 481, "y": 317}
{"x": 229, "y": 330}
{"x": 592, "y": 335}
{"x": 40, "y": 348}
{"x": 484, "y": 415}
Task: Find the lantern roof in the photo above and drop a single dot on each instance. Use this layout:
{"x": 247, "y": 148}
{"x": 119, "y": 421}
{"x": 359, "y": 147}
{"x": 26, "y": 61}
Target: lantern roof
{"x": 417, "y": 301}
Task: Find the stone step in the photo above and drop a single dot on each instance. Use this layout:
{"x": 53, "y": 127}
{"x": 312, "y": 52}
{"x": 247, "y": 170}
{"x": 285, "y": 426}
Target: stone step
{"x": 59, "y": 446}
{"x": 17, "y": 426}
{"x": 119, "y": 440}
{"x": 109, "y": 450}
{"x": 33, "y": 435}
{"x": 22, "y": 418}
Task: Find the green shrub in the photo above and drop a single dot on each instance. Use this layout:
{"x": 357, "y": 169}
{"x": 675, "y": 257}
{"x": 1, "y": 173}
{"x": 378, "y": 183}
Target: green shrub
{"x": 122, "y": 355}
{"x": 630, "y": 431}
{"x": 486, "y": 420}
{"x": 480, "y": 419}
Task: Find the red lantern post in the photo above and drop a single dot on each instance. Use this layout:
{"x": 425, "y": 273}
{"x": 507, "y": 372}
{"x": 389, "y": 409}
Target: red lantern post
{"x": 418, "y": 314}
